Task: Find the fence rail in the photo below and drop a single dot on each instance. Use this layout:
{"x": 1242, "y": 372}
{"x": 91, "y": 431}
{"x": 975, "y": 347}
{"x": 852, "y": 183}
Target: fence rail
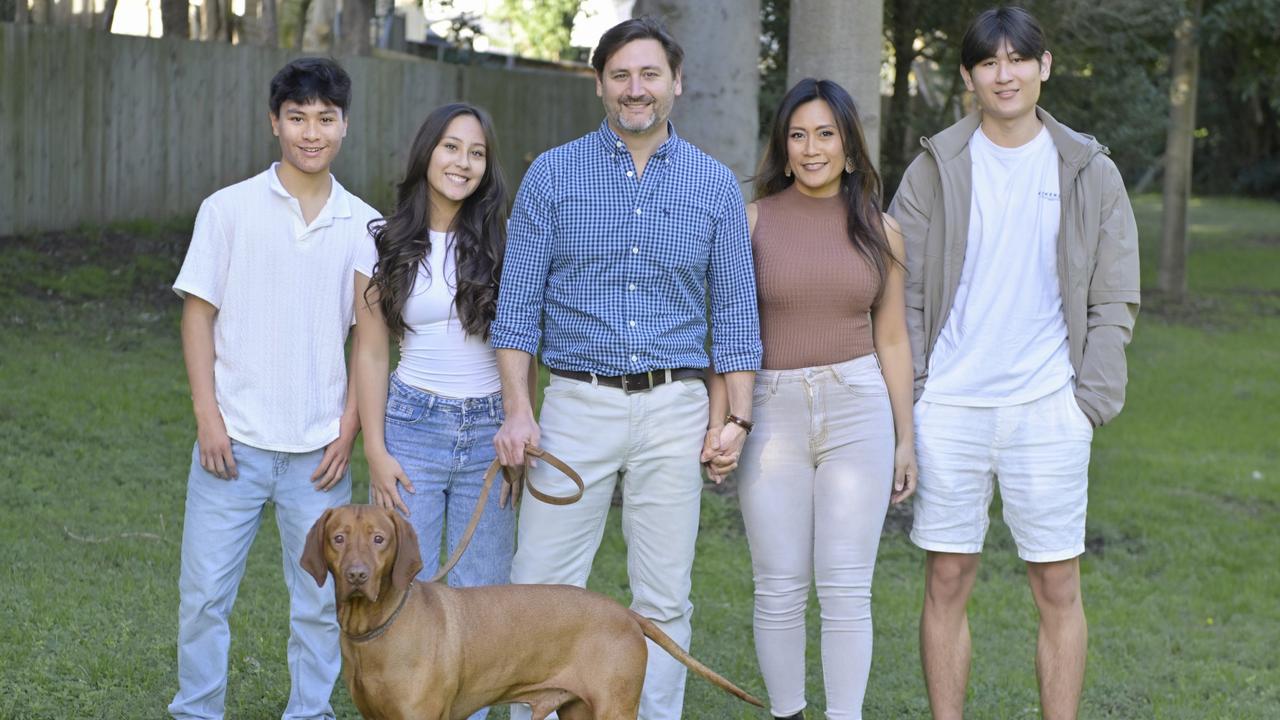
{"x": 98, "y": 128}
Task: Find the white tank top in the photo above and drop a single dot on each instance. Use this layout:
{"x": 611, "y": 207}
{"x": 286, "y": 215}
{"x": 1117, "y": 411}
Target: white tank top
{"x": 436, "y": 355}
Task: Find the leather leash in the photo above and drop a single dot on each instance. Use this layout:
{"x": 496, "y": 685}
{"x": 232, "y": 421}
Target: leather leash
{"x": 530, "y": 451}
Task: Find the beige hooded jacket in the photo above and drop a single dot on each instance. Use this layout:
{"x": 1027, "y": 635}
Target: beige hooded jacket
{"x": 1097, "y": 254}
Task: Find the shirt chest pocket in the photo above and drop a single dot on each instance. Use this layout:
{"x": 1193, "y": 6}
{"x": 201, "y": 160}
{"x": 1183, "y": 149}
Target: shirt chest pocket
{"x": 684, "y": 230}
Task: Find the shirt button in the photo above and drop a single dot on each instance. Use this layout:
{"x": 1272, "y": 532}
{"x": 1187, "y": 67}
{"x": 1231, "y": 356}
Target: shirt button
{"x": 633, "y": 358}
{"x": 637, "y": 211}
{"x": 632, "y": 323}
{"x": 619, "y": 143}
{"x": 632, "y": 286}
{"x": 630, "y": 173}
{"x": 635, "y": 250}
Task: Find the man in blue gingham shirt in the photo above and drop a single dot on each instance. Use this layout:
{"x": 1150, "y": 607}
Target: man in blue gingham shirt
{"x": 618, "y": 242}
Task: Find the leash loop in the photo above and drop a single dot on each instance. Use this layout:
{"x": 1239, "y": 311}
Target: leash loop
{"x": 530, "y": 451}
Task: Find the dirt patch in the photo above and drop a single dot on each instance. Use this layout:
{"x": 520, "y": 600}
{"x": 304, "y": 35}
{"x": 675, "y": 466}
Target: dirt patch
{"x": 1100, "y": 542}
{"x": 130, "y": 263}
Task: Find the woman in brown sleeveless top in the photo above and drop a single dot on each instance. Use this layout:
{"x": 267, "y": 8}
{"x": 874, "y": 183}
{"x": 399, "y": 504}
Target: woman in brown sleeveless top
{"x": 832, "y": 442}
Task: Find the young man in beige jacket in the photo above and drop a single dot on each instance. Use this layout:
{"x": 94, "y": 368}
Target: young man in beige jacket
{"x": 1022, "y": 292}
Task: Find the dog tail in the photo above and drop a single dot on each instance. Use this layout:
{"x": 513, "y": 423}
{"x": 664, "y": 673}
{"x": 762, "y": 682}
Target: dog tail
{"x": 664, "y": 641}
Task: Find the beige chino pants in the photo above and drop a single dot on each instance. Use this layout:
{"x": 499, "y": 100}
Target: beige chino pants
{"x": 650, "y": 441}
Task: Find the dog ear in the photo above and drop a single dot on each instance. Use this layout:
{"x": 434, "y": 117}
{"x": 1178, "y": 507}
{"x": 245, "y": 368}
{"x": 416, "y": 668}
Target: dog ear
{"x": 408, "y": 558}
{"x": 313, "y": 551}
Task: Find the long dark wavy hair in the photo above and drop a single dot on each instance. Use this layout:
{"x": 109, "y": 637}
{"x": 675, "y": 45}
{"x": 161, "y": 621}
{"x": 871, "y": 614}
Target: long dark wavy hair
{"x": 860, "y": 190}
{"x": 479, "y": 231}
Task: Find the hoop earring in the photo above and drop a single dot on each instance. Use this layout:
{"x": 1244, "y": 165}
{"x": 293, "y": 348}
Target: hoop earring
{"x": 848, "y": 166}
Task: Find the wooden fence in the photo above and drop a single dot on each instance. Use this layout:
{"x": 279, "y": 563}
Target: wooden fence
{"x": 98, "y": 128}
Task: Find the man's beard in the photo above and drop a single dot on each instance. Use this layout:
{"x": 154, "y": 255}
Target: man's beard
{"x": 635, "y": 125}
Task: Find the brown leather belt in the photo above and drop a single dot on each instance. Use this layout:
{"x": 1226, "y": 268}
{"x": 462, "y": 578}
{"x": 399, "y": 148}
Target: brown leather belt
{"x": 636, "y": 382}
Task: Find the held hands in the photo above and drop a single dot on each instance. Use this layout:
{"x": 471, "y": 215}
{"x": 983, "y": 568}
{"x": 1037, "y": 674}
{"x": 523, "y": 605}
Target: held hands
{"x": 905, "y": 474}
{"x": 721, "y": 448}
{"x": 384, "y": 474}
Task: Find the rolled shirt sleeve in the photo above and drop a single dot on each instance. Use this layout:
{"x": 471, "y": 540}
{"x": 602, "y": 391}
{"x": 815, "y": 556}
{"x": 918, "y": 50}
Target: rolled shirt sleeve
{"x": 518, "y": 325}
{"x": 731, "y": 284}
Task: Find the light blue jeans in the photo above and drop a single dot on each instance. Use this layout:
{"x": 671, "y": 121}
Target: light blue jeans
{"x": 221, "y": 521}
{"x": 445, "y": 445}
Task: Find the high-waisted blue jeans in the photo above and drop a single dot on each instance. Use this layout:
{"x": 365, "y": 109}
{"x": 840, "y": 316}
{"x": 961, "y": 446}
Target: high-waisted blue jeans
{"x": 445, "y": 445}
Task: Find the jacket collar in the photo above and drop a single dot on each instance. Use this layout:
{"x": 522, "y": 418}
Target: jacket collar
{"x": 1075, "y": 149}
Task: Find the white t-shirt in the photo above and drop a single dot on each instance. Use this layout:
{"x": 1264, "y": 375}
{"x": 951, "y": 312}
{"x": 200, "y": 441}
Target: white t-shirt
{"x": 436, "y": 354}
{"x": 285, "y": 296}
{"x": 1005, "y": 340}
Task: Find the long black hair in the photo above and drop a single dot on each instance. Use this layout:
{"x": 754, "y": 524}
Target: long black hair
{"x": 860, "y": 190}
{"x": 479, "y": 231}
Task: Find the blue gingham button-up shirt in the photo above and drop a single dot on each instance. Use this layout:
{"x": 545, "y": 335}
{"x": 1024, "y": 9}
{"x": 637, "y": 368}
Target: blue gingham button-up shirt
{"x": 613, "y": 270}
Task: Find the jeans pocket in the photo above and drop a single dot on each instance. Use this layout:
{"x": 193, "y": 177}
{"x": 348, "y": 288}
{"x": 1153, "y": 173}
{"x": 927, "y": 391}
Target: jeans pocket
{"x": 861, "y": 379}
{"x": 400, "y": 410}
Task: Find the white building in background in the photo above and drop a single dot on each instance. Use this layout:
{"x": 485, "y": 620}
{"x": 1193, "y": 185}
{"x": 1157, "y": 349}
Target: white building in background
{"x": 594, "y": 17}
{"x": 142, "y": 17}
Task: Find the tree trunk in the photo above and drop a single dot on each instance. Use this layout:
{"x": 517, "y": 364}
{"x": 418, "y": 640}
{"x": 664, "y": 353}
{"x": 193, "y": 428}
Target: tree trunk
{"x": 211, "y": 20}
{"x": 903, "y": 36}
{"x": 1185, "y": 65}
{"x": 270, "y": 27}
{"x": 354, "y": 27}
{"x": 174, "y": 18}
{"x": 108, "y": 15}
{"x": 317, "y": 34}
{"x": 717, "y": 109}
{"x": 842, "y": 41}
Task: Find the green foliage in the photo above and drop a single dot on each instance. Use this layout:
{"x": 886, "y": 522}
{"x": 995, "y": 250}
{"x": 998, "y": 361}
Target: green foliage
{"x": 542, "y": 27}
{"x": 1109, "y": 74}
{"x": 1239, "y": 98}
{"x": 1179, "y": 582}
{"x": 1111, "y": 79}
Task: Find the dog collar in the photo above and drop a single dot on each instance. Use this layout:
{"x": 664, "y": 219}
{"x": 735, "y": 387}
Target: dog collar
{"x": 378, "y": 631}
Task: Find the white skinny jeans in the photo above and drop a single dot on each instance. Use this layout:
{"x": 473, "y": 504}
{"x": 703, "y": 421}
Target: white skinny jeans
{"x": 814, "y": 485}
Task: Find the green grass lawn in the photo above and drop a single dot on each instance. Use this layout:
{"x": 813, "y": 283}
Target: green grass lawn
{"x": 1181, "y": 582}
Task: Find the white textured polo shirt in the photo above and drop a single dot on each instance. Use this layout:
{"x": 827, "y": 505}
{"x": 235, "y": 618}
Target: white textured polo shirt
{"x": 285, "y": 297}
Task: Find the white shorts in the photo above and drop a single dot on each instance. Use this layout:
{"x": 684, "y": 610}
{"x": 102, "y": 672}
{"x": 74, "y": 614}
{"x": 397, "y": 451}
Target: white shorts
{"x": 1039, "y": 451}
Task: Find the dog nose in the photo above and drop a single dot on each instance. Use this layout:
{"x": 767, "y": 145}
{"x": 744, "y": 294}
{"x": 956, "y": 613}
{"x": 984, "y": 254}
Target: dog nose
{"x": 357, "y": 575}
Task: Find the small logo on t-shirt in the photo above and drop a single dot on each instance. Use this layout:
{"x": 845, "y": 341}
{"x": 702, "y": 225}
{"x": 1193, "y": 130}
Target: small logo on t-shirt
{"x": 1046, "y": 195}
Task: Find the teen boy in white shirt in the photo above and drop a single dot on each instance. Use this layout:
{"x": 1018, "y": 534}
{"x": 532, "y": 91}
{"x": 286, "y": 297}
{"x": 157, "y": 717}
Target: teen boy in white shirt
{"x": 268, "y": 290}
{"x": 1022, "y": 292}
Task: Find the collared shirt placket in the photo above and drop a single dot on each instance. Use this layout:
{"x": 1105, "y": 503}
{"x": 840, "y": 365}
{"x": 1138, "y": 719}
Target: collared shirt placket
{"x": 639, "y": 190}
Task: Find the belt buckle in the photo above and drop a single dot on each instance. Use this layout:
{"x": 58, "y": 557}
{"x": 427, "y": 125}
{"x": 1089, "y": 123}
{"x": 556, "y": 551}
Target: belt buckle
{"x": 626, "y": 384}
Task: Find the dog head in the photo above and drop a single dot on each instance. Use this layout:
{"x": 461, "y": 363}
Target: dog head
{"x": 362, "y": 546}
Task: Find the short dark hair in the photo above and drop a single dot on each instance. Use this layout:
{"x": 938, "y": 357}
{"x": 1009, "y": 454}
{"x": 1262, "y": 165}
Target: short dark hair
{"x": 311, "y": 78}
{"x": 641, "y": 28}
{"x": 992, "y": 27}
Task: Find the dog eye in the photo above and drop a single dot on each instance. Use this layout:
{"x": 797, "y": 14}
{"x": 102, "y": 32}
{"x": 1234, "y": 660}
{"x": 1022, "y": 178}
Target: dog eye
{"x": 378, "y": 539}
{"x": 338, "y": 539}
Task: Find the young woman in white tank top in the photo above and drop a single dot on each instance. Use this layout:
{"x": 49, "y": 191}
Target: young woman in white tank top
{"x": 428, "y": 429}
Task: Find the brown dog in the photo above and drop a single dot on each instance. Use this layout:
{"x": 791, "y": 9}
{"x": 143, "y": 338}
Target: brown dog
{"x": 428, "y": 651}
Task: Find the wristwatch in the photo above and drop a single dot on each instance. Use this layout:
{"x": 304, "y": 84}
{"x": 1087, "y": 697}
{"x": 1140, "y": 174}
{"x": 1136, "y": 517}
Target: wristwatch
{"x": 740, "y": 422}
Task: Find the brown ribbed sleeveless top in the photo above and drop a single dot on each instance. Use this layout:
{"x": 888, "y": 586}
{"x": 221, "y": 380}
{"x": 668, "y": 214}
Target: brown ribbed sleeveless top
{"x": 814, "y": 288}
